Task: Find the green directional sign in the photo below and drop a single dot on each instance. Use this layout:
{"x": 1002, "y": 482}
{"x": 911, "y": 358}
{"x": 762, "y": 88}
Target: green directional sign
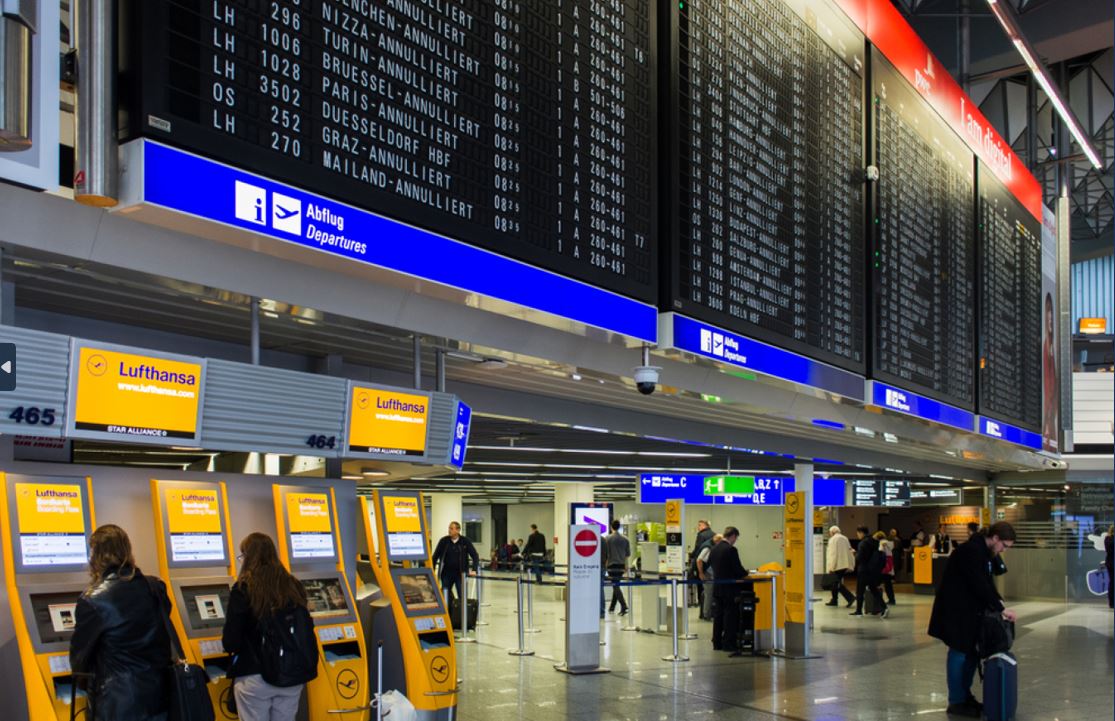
{"x": 729, "y": 485}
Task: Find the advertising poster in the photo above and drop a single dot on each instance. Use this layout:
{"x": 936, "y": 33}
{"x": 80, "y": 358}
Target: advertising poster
{"x": 796, "y": 572}
{"x": 194, "y": 524}
{"x": 1050, "y": 383}
{"x": 133, "y": 396}
{"x": 402, "y": 523}
{"x": 386, "y": 422}
{"x": 310, "y": 525}
{"x": 51, "y": 521}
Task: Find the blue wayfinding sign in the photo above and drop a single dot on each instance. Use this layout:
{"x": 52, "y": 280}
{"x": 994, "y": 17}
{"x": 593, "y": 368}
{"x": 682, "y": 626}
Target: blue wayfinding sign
{"x": 190, "y": 184}
{"x": 724, "y": 346}
{"x": 769, "y": 490}
{"x": 903, "y": 401}
{"x": 1007, "y": 432}
{"x": 460, "y": 434}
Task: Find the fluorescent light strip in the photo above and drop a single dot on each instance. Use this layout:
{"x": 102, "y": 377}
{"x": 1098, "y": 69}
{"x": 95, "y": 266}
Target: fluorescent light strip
{"x": 1014, "y": 32}
{"x": 591, "y": 451}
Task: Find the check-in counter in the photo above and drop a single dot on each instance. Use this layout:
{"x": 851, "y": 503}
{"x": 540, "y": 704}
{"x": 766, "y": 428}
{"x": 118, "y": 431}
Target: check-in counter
{"x": 769, "y": 588}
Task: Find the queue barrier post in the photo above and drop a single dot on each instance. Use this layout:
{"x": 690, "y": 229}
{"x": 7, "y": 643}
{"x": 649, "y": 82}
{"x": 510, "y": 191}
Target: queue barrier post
{"x": 675, "y": 657}
{"x": 521, "y": 650}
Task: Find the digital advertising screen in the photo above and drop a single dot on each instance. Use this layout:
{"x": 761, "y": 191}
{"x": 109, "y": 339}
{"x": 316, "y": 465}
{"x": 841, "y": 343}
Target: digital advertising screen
{"x": 123, "y": 396}
{"x": 326, "y": 597}
{"x": 387, "y": 423}
{"x": 417, "y": 591}
{"x": 52, "y": 525}
{"x": 55, "y": 615}
{"x": 206, "y": 605}
{"x": 596, "y": 514}
{"x": 402, "y": 525}
{"x": 194, "y": 525}
{"x": 310, "y": 525}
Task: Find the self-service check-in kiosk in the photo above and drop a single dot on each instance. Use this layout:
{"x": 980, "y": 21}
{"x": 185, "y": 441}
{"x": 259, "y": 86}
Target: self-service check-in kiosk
{"x": 310, "y": 546}
{"x": 195, "y": 559}
{"x": 46, "y": 527}
{"x": 409, "y": 616}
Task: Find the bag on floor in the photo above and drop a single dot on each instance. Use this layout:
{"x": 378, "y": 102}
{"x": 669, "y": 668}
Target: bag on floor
{"x": 455, "y": 613}
{"x": 397, "y": 707}
{"x": 996, "y": 634}
{"x": 1098, "y": 581}
{"x": 869, "y": 602}
{"x": 1000, "y": 687}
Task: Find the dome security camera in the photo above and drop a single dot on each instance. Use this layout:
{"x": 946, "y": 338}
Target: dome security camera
{"x": 646, "y": 378}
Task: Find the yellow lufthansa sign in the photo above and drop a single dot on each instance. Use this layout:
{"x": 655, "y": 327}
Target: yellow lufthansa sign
{"x": 387, "y": 422}
{"x": 136, "y": 395}
{"x": 308, "y": 513}
{"x": 192, "y": 511}
{"x": 401, "y": 515}
{"x": 796, "y": 572}
{"x": 673, "y": 513}
{"x": 46, "y": 508}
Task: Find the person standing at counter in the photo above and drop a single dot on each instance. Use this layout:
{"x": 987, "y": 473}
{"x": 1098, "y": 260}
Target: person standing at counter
{"x": 726, "y": 566}
{"x": 839, "y": 561}
{"x": 966, "y": 591}
{"x": 453, "y": 553}
{"x": 704, "y": 536}
{"x": 120, "y": 635}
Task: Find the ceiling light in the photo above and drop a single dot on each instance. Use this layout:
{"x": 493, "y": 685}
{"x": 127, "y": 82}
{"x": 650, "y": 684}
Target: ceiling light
{"x": 1010, "y": 25}
{"x": 352, "y": 478}
{"x": 491, "y": 364}
{"x": 371, "y": 473}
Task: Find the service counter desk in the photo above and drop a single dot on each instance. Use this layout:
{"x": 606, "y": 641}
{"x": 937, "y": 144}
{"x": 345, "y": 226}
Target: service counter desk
{"x": 929, "y": 568}
{"x": 770, "y": 588}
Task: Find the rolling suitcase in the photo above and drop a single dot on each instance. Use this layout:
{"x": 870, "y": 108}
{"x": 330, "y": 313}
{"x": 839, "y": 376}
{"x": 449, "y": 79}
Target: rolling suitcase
{"x": 455, "y": 613}
{"x": 1000, "y": 687}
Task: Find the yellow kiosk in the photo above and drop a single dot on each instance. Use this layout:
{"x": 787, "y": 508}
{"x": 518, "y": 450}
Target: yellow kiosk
{"x": 410, "y": 618}
{"x": 194, "y": 541}
{"x": 46, "y": 527}
{"x": 310, "y": 547}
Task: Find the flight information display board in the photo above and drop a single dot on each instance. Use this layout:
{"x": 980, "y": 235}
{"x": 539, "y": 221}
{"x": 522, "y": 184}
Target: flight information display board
{"x": 923, "y": 248}
{"x": 525, "y": 128}
{"x": 767, "y": 226}
{"x": 1010, "y": 373}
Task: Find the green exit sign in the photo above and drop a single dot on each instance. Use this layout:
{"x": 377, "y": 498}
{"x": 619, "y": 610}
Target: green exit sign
{"x": 729, "y": 485}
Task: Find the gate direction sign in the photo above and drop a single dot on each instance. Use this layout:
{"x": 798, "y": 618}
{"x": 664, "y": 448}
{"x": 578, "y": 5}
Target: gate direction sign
{"x": 729, "y": 485}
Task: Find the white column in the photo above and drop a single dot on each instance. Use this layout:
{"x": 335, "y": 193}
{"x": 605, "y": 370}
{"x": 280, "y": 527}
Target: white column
{"x": 444, "y": 509}
{"x": 564, "y": 494}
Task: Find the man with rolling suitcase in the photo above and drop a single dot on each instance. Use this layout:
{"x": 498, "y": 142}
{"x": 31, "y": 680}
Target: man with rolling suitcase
{"x": 964, "y": 597}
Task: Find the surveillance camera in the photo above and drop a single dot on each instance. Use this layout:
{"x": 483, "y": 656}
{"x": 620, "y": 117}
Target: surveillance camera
{"x": 646, "y": 378}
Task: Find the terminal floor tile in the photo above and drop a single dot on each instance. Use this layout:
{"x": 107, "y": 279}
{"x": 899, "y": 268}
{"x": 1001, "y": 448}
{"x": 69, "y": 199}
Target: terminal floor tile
{"x": 869, "y": 669}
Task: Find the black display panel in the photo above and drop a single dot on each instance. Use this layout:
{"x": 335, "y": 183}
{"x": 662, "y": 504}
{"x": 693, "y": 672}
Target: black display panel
{"x": 923, "y": 246}
{"x": 890, "y": 493}
{"x": 526, "y": 128}
{"x": 1010, "y": 372}
{"x": 55, "y": 616}
{"x": 325, "y": 597}
{"x": 767, "y": 162}
{"x": 206, "y": 606}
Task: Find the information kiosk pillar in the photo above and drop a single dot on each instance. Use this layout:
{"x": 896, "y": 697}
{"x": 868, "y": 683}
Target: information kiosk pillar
{"x": 310, "y": 547}
{"x": 46, "y": 526}
{"x": 410, "y": 619}
{"x": 194, "y": 542}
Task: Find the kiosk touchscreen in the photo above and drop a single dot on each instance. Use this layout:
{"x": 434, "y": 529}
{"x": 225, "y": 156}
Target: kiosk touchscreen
{"x": 46, "y": 526}
{"x": 411, "y": 618}
{"x": 310, "y": 546}
{"x": 194, "y": 543}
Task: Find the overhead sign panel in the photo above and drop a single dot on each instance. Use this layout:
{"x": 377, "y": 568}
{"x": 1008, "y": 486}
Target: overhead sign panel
{"x": 1007, "y": 432}
{"x": 460, "y": 435}
{"x": 123, "y": 395}
{"x": 768, "y": 490}
{"x": 919, "y": 406}
{"x": 386, "y": 422}
{"x": 723, "y": 346}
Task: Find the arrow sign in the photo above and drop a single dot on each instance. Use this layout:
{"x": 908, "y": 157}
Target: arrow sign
{"x": 729, "y": 485}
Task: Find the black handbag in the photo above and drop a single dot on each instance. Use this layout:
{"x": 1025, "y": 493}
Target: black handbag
{"x": 829, "y": 581}
{"x": 188, "y": 684}
{"x": 996, "y": 634}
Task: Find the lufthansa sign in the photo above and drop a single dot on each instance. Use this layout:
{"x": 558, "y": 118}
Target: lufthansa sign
{"x": 387, "y": 422}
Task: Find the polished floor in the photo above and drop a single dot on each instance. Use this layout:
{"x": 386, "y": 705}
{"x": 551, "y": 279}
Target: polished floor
{"x": 869, "y": 669}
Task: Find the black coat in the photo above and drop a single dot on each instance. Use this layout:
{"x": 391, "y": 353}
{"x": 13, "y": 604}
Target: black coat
{"x": 120, "y": 637}
{"x": 865, "y": 551}
{"x": 240, "y": 636}
{"x": 726, "y": 566}
{"x": 1109, "y": 547}
{"x": 536, "y": 543}
{"x": 965, "y": 592}
{"x": 454, "y": 557}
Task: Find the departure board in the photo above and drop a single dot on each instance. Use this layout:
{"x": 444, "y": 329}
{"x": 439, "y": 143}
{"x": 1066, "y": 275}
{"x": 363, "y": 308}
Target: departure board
{"x": 526, "y": 128}
{"x": 767, "y": 208}
{"x": 923, "y": 247}
{"x": 1010, "y": 379}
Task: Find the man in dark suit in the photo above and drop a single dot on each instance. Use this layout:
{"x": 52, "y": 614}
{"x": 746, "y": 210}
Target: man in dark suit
{"x": 726, "y": 567}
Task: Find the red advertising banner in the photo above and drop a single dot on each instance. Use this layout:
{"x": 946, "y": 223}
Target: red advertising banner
{"x": 881, "y": 22}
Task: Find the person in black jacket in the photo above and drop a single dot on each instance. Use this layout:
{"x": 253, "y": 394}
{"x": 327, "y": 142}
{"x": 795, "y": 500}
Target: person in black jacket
{"x": 534, "y": 551}
{"x": 704, "y": 538}
{"x": 120, "y": 633}
{"x": 726, "y": 566}
{"x": 965, "y": 592}
{"x": 869, "y": 572}
{"x": 453, "y": 553}
{"x": 263, "y": 588}
{"x": 1109, "y": 547}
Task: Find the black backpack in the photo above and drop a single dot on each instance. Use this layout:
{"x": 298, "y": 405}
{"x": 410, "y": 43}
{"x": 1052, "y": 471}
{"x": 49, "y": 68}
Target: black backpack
{"x": 878, "y": 562}
{"x": 288, "y": 648}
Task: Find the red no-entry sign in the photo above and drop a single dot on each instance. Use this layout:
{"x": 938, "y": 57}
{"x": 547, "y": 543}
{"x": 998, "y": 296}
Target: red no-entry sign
{"x": 586, "y": 542}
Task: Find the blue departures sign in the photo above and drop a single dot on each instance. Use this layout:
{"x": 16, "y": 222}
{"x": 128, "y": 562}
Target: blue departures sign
{"x": 460, "y": 434}
{"x": 1009, "y": 433}
{"x": 726, "y": 347}
{"x": 903, "y": 401}
{"x": 213, "y": 191}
